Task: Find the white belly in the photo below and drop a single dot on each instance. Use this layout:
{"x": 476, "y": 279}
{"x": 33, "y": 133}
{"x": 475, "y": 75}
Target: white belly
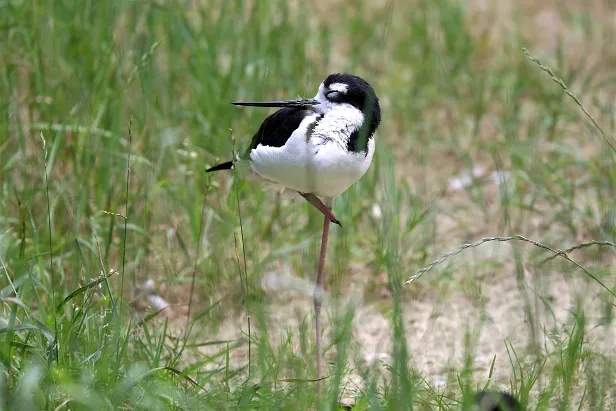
{"x": 324, "y": 168}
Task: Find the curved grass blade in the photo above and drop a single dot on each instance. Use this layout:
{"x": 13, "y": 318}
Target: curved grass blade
{"x": 83, "y": 289}
{"x": 36, "y": 327}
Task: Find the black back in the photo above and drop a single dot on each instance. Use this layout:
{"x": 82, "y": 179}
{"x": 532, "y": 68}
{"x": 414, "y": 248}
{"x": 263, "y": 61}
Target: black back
{"x": 278, "y": 127}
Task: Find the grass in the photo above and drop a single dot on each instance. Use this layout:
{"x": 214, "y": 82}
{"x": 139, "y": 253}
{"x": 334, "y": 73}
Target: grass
{"x": 110, "y": 112}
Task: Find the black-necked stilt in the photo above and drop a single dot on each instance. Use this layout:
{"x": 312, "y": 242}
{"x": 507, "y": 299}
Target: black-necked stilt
{"x": 495, "y": 401}
{"x": 317, "y": 147}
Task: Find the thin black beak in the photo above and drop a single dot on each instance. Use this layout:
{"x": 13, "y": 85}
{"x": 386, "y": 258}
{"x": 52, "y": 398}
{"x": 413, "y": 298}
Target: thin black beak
{"x": 300, "y": 102}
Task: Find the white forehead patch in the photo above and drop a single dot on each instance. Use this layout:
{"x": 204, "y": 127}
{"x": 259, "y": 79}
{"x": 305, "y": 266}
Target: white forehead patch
{"x": 340, "y": 87}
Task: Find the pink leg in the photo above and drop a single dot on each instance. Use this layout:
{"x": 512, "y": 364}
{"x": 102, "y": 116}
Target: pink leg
{"x": 318, "y": 298}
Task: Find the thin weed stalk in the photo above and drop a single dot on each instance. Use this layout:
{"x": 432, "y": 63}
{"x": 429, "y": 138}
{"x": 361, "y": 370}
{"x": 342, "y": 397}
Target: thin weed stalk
{"x": 106, "y": 279}
{"x": 194, "y": 274}
{"x": 51, "y": 267}
{"x": 130, "y": 144}
{"x": 562, "y": 84}
{"x": 243, "y": 281}
{"x": 557, "y": 253}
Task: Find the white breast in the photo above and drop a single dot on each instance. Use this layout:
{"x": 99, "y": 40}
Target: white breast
{"x": 320, "y": 165}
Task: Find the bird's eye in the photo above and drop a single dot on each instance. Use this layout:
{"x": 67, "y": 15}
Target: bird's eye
{"x": 334, "y": 95}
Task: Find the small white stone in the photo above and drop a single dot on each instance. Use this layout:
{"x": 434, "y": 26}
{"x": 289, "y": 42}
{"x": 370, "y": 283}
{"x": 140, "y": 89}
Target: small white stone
{"x": 376, "y": 212}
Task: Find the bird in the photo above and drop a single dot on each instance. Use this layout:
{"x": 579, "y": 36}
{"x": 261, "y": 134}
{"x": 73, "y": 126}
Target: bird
{"x": 495, "y": 401}
{"x": 317, "y": 147}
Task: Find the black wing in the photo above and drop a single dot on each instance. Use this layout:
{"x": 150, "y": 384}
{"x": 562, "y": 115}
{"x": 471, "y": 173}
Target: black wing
{"x": 274, "y": 131}
{"x": 278, "y": 127}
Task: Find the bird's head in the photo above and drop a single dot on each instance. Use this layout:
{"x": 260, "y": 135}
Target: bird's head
{"x": 338, "y": 91}
{"x": 341, "y": 90}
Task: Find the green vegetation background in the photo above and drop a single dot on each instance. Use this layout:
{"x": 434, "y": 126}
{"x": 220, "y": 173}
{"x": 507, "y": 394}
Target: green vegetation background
{"x": 87, "y": 85}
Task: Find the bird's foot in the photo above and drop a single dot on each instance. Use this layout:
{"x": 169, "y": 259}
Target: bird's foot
{"x": 318, "y": 204}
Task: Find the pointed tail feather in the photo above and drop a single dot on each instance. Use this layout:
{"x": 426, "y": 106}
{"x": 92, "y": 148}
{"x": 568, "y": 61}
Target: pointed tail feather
{"x": 228, "y": 165}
